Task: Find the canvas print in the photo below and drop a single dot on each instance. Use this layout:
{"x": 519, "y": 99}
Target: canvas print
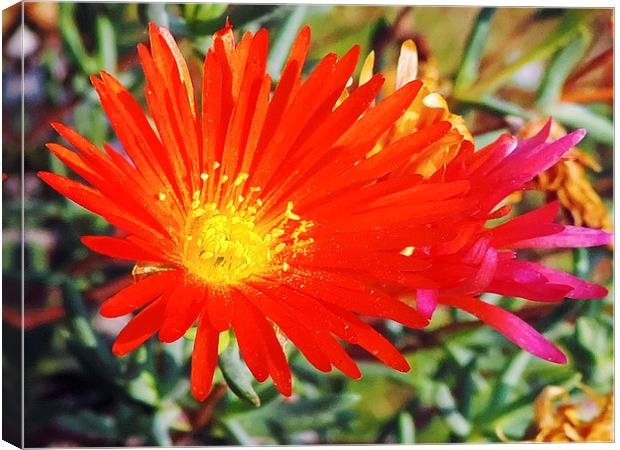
{"x": 252, "y": 224}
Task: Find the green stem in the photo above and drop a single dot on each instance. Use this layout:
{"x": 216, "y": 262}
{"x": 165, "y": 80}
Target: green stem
{"x": 470, "y": 64}
{"x": 573, "y": 115}
{"x": 285, "y": 39}
{"x": 71, "y": 35}
{"x": 405, "y": 428}
{"x": 560, "y": 67}
{"x": 106, "y": 41}
{"x": 497, "y": 106}
{"x": 558, "y": 39}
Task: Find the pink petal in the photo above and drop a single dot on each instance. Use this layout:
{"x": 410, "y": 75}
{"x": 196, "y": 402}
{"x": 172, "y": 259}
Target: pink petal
{"x": 549, "y": 154}
{"x": 501, "y": 148}
{"x": 537, "y": 282}
{"x": 525, "y": 165}
{"x": 581, "y": 289}
{"x": 426, "y": 302}
{"x": 532, "y": 224}
{"x": 481, "y": 279}
{"x": 569, "y": 237}
{"x": 516, "y": 278}
{"x": 527, "y": 145}
{"x": 510, "y": 326}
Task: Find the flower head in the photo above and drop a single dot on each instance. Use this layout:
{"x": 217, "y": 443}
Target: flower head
{"x": 275, "y": 212}
{"x": 588, "y": 419}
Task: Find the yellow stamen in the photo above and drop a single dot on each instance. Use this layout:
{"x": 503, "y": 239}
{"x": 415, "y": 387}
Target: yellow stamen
{"x": 241, "y": 178}
{"x": 407, "y": 251}
{"x": 226, "y": 245}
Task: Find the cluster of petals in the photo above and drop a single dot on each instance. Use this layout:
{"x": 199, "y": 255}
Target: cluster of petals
{"x": 300, "y": 211}
{"x": 568, "y": 180}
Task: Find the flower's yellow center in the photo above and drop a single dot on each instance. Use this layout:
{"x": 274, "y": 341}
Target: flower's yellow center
{"x": 227, "y": 245}
{"x": 223, "y": 248}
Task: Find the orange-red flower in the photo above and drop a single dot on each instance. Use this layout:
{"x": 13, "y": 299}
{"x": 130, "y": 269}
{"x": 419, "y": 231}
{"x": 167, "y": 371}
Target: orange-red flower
{"x": 255, "y": 210}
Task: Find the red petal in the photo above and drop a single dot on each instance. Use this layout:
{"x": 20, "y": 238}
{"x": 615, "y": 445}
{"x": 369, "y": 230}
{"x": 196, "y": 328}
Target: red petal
{"x": 204, "y": 359}
{"x": 119, "y": 248}
{"x": 250, "y": 341}
{"x": 139, "y": 294}
{"x": 220, "y": 306}
{"x": 291, "y": 326}
{"x": 98, "y": 204}
{"x": 242, "y": 119}
{"x": 141, "y": 328}
{"x": 531, "y": 224}
{"x": 354, "y": 295}
{"x": 360, "y": 333}
{"x": 317, "y": 320}
{"x": 182, "y": 309}
{"x": 272, "y": 350}
{"x": 72, "y": 160}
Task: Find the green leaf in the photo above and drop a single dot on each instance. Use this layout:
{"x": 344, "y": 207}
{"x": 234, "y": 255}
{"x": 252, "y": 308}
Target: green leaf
{"x": 461, "y": 355}
{"x": 165, "y": 16}
{"x": 237, "y": 375}
{"x": 466, "y": 388}
{"x": 204, "y": 19}
{"x": 330, "y": 410}
{"x": 284, "y": 40}
{"x": 560, "y": 67}
{"x": 203, "y": 11}
{"x": 591, "y": 334}
{"x": 158, "y": 14}
{"x": 482, "y": 140}
{"x": 447, "y": 408}
{"x": 162, "y": 423}
{"x": 405, "y": 431}
{"x": 93, "y": 353}
{"x": 172, "y": 358}
{"x": 237, "y": 433}
{"x": 144, "y": 388}
{"x": 71, "y": 36}
{"x": 253, "y": 18}
{"x": 589, "y": 347}
{"x": 573, "y": 115}
{"x": 106, "y": 41}
{"x": 88, "y": 423}
{"x": 468, "y": 70}
{"x": 557, "y": 39}
{"x": 581, "y": 262}
{"x": 497, "y": 106}
{"x": 190, "y": 334}
{"x": 508, "y": 380}
{"x": 137, "y": 361}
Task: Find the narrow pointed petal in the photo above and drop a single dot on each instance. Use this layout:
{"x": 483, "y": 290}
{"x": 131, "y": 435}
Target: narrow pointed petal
{"x": 204, "y": 359}
{"x": 139, "y": 294}
{"x": 140, "y": 328}
{"x": 569, "y": 237}
{"x": 510, "y": 326}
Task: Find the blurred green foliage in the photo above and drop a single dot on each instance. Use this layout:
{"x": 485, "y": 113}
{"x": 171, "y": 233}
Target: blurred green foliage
{"x": 466, "y": 380}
